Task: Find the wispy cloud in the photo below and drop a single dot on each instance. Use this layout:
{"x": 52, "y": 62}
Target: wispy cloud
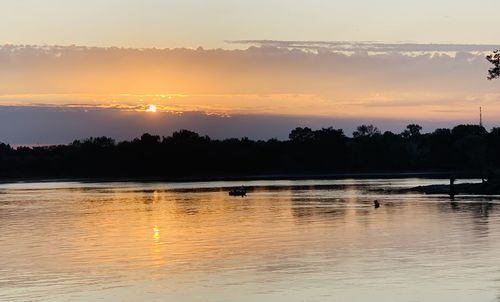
{"x": 369, "y": 46}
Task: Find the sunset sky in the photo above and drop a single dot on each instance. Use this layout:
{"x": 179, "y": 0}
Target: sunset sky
{"x": 73, "y": 69}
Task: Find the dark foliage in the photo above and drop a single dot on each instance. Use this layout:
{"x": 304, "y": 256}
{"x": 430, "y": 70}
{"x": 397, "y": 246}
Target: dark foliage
{"x": 324, "y": 151}
{"x": 494, "y": 58}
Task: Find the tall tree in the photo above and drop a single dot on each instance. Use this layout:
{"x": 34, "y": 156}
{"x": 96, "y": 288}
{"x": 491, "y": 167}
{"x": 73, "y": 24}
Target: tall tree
{"x": 494, "y": 58}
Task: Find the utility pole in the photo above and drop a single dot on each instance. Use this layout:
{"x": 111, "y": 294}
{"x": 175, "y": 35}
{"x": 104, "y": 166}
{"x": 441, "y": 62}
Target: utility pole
{"x": 481, "y": 116}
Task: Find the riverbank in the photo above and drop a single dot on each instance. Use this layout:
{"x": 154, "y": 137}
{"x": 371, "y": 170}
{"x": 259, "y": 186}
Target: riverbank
{"x": 384, "y": 175}
{"x": 483, "y": 188}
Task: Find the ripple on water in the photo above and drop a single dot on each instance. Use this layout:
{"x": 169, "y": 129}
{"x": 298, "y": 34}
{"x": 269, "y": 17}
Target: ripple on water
{"x": 318, "y": 240}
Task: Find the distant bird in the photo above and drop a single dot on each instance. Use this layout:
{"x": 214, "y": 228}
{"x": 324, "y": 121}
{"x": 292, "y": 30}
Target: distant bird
{"x": 376, "y": 204}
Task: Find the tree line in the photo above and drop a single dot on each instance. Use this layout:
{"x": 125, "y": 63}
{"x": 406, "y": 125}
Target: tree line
{"x": 307, "y": 151}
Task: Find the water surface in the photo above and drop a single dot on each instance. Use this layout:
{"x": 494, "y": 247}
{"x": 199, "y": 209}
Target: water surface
{"x": 317, "y": 240}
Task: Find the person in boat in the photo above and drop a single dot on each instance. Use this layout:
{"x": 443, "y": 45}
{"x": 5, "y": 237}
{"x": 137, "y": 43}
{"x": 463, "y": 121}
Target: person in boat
{"x": 238, "y": 192}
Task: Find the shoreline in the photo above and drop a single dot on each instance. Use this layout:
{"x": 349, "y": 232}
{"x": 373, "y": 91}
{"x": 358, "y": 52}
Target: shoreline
{"x": 366, "y": 175}
{"x": 486, "y": 188}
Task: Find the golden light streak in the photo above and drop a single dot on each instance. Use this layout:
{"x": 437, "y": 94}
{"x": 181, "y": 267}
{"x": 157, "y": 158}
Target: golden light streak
{"x": 156, "y": 234}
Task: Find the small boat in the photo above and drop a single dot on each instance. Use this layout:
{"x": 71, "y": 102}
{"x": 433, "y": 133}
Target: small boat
{"x": 238, "y": 192}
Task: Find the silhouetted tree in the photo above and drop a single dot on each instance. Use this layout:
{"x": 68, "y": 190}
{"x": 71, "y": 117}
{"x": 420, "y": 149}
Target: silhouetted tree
{"x": 187, "y": 154}
{"x": 329, "y": 135}
{"x": 366, "y": 130}
{"x": 187, "y": 136}
{"x": 300, "y": 134}
{"x": 411, "y": 131}
{"x": 461, "y": 131}
{"x": 4, "y": 148}
{"x": 494, "y": 58}
{"x": 150, "y": 140}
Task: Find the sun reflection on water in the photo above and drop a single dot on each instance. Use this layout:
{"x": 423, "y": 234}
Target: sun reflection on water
{"x": 156, "y": 234}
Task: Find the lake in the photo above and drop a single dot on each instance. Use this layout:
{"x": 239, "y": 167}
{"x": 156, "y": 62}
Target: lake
{"x": 315, "y": 240}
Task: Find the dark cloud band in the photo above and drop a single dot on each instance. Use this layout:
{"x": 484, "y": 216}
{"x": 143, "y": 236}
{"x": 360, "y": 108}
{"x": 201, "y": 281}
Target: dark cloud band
{"x": 345, "y": 46}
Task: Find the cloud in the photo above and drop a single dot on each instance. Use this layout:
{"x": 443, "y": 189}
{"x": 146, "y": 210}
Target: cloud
{"x": 377, "y": 47}
{"x": 370, "y": 82}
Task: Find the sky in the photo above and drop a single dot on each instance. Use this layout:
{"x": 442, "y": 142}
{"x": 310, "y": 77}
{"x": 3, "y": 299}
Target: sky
{"x": 73, "y": 69}
{"x": 193, "y": 23}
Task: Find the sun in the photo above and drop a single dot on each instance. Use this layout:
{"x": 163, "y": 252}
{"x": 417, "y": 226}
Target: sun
{"x": 151, "y": 108}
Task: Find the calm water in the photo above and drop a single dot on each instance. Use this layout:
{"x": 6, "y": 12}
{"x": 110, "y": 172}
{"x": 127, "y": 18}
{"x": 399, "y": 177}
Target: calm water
{"x": 286, "y": 241}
